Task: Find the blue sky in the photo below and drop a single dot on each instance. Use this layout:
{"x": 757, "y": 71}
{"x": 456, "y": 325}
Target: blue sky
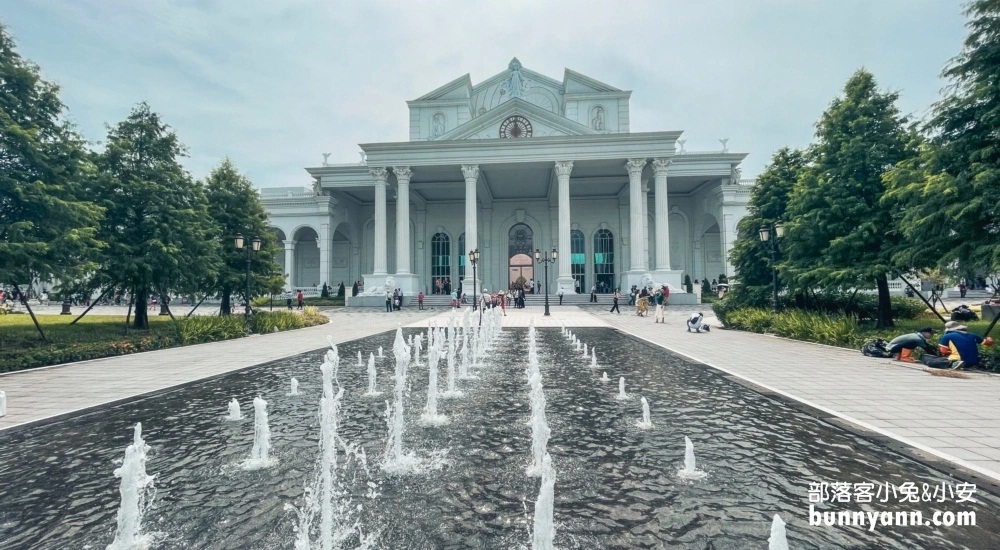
{"x": 274, "y": 84}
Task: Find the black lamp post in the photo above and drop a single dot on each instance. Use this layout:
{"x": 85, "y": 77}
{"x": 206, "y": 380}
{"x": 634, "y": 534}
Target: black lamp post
{"x": 253, "y": 248}
{"x": 547, "y": 259}
{"x": 473, "y": 258}
{"x": 765, "y": 236}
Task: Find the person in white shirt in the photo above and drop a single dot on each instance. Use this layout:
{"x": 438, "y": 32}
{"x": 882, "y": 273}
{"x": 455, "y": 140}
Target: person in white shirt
{"x": 561, "y": 292}
{"x": 696, "y": 324}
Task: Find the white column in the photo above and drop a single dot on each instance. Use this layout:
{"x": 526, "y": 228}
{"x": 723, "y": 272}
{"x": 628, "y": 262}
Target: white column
{"x": 662, "y": 214}
{"x": 403, "y": 174}
{"x": 323, "y": 242}
{"x": 381, "y": 176}
{"x": 471, "y": 173}
{"x": 290, "y": 264}
{"x": 565, "y": 277}
{"x": 636, "y": 246}
{"x": 645, "y": 223}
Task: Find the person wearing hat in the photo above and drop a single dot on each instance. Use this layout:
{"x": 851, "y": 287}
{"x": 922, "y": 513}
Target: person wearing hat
{"x": 962, "y": 346}
{"x": 905, "y": 344}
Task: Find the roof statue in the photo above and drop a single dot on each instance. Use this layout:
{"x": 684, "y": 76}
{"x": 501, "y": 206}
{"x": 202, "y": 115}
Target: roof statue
{"x": 515, "y": 85}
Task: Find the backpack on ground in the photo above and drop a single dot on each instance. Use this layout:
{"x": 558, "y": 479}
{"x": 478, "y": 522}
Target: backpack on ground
{"x": 963, "y": 313}
{"x": 876, "y": 348}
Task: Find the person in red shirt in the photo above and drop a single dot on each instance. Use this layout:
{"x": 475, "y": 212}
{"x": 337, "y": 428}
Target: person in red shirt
{"x": 301, "y": 298}
{"x": 420, "y": 300}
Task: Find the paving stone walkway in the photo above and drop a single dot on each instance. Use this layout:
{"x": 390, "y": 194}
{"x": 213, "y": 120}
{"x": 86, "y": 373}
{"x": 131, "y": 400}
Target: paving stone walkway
{"x": 954, "y": 419}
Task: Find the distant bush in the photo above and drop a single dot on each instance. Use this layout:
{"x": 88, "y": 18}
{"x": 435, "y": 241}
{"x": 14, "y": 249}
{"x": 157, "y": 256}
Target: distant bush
{"x": 834, "y": 330}
{"x": 861, "y": 306}
{"x": 198, "y": 329}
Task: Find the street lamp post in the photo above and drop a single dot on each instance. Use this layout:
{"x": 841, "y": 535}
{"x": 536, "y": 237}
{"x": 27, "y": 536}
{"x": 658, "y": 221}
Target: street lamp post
{"x": 765, "y": 236}
{"x": 473, "y": 257}
{"x": 546, "y": 259}
{"x": 253, "y": 248}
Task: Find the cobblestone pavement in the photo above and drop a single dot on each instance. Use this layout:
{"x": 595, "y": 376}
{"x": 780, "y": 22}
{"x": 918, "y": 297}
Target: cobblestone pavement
{"x": 951, "y": 418}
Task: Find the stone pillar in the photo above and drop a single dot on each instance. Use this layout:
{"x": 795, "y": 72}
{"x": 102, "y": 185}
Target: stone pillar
{"x": 637, "y": 267}
{"x": 664, "y": 272}
{"x": 471, "y": 173}
{"x": 375, "y": 281}
{"x": 405, "y": 280}
{"x": 323, "y": 243}
{"x": 289, "y": 264}
{"x": 645, "y": 223}
{"x": 565, "y": 273}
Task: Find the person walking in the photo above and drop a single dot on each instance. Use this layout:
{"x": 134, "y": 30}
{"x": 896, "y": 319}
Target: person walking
{"x": 388, "y": 301}
{"x": 301, "y": 298}
{"x": 420, "y": 300}
{"x": 963, "y": 288}
{"x": 288, "y": 299}
{"x": 593, "y": 293}
{"x": 561, "y": 292}
{"x": 614, "y": 301}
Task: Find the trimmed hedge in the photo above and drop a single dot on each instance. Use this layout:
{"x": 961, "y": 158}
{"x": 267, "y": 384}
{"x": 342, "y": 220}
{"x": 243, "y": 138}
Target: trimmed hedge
{"x": 863, "y": 307}
{"x": 833, "y": 330}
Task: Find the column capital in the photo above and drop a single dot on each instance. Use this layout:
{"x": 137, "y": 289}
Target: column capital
{"x": 403, "y": 173}
{"x": 380, "y": 175}
{"x": 564, "y": 167}
{"x": 289, "y": 244}
{"x": 635, "y": 166}
{"x": 660, "y": 167}
{"x": 470, "y": 171}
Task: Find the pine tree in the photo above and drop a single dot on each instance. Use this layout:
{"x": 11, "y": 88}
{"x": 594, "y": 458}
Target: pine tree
{"x": 839, "y": 233}
{"x": 159, "y": 234}
{"x": 949, "y": 197}
{"x": 47, "y": 223}
{"x": 235, "y": 207}
{"x": 768, "y": 204}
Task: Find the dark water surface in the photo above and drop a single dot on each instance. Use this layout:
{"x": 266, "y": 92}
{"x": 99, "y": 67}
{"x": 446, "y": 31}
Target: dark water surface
{"x": 616, "y": 486}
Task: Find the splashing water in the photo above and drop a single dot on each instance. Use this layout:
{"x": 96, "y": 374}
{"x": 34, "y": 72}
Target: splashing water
{"x": 360, "y": 361}
{"x": 295, "y": 387}
{"x": 690, "y": 470}
{"x": 3, "y": 403}
{"x": 544, "y": 530}
{"x": 234, "y": 410}
{"x": 260, "y": 453}
{"x": 605, "y": 378}
{"x": 540, "y": 431}
{"x": 585, "y": 350}
{"x": 778, "y": 539}
{"x": 430, "y": 415}
{"x": 137, "y": 493}
{"x": 380, "y": 354}
{"x": 621, "y": 389}
{"x": 645, "y": 423}
{"x": 372, "y": 389}
{"x": 593, "y": 357}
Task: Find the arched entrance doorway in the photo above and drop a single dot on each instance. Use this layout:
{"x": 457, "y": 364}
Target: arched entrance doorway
{"x": 520, "y": 247}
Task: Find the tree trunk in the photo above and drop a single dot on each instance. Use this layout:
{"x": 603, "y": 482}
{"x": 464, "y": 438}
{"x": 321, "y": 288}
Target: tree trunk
{"x": 24, "y": 300}
{"x": 141, "y": 321}
{"x": 226, "y": 308}
{"x": 884, "y": 303}
{"x": 164, "y": 309}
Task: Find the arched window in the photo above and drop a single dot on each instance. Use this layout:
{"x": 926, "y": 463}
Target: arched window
{"x": 440, "y": 262}
{"x": 520, "y": 250}
{"x": 578, "y": 260}
{"x": 461, "y": 257}
{"x": 604, "y": 260}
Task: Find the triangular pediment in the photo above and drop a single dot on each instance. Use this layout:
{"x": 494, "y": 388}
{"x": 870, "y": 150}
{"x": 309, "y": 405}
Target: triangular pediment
{"x": 543, "y": 122}
{"x": 460, "y": 88}
{"x": 577, "y": 83}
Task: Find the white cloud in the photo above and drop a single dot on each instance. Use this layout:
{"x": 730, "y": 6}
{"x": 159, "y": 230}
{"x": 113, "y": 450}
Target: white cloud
{"x": 275, "y": 84}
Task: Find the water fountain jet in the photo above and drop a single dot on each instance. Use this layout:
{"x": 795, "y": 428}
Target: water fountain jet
{"x": 621, "y": 389}
{"x": 778, "y": 539}
{"x": 234, "y": 410}
{"x": 295, "y": 387}
{"x": 544, "y": 529}
{"x": 137, "y": 493}
{"x": 690, "y": 470}
{"x": 645, "y": 423}
{"x": 260, "y": 453}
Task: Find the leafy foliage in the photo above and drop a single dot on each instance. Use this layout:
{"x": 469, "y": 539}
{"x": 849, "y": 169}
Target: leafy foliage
{"x": 951, "y": 192}
{"x": 47, "y": 228}
{"x": 158, "y": 232}
{"x": 839, "y": 233}
{"x": 768, "y": 204}
{"x": 235, "y": 207}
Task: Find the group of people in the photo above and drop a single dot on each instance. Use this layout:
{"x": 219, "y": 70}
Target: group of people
{"x": 298, "y": 296}
{"x": 957, "y": 348}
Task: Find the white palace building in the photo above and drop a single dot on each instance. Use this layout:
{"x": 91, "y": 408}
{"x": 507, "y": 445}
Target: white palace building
{"x": 516, "y": 163}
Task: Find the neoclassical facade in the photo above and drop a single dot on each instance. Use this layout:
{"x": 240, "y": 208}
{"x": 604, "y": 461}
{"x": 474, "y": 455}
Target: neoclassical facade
{"x": 515, "y": 163}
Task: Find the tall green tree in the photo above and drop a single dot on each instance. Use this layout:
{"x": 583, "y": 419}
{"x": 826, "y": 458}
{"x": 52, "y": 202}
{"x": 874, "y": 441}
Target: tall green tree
{"x": 235, "y": 207}
{"x": 48, "y": 225}
{"x": 839, "y": 233}
{"x": 160, "y": 236}
{"x": 949, "y": 197}
{"x": 768, "y": 204}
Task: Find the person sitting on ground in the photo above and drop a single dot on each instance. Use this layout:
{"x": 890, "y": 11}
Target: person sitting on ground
{"x": 962, "y": 347}
{"x": 905, "y": 344}
{"x": 696, "y": 323}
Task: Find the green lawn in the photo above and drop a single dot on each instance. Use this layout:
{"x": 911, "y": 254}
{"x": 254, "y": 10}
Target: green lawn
{"x": 97, "y": 336}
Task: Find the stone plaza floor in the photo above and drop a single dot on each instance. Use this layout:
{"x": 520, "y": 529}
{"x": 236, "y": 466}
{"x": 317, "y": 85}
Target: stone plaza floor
{"x": 941, "y": 418}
